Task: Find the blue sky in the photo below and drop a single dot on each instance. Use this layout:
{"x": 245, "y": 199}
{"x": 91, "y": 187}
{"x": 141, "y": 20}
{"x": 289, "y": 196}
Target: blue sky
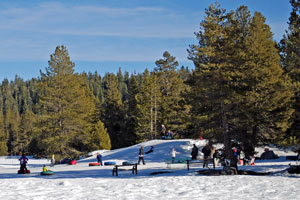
{"x": 103, "y": 35}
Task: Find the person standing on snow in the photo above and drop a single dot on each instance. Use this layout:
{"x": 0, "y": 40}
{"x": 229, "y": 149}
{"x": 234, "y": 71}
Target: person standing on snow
{"x": 194, "y": 152}
{"x": 163, "y": 131}
{"x": 216, "y": 157}
{"x": 206, "y": 150}
{"x": 141, "y": 155}
{"x": 173, "y": 155}
{"x": 23, "y": 161}
{"x": 52, "y": 160}
{"x": 99, "y": 158}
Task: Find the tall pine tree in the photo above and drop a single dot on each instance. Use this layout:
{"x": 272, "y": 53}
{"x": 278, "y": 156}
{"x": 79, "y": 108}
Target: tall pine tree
{"x": 113, "y": 112}
{"x": 172, "y": 88}
{"x": 290, "y": 57}
{"x": 239, "y": 91}
{"x": 66, "y": 105}
{"x": 148, "y": 100}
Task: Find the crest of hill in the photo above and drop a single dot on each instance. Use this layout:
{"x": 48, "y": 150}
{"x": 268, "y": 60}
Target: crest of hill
{"x": 161, "y": 151}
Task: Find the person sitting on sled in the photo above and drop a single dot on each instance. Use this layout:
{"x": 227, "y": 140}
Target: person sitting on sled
{"x": 45, "y": 168}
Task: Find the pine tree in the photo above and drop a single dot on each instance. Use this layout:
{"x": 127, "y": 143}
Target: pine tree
{"x": 3, "y": 146}
{"x": 239, "y": 91}
{"x": 148, "y": 100}
{"x": 122, "y": 86}
{"x": 290, "y": 57}
{"x": 12, "y": 120}
{"x": 95, "y": 84}
{"x": 113, "y": 112}
{"x": 131, "y": 110}
{"x": 26, "y": 129}
{"x": 99, "y": 137}
{"x": 172, "y": 89}
{"x": 66, "y": 106}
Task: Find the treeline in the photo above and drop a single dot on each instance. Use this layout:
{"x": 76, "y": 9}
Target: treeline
{"x": 67, "y": 114}
{"x": 243, "y": 91}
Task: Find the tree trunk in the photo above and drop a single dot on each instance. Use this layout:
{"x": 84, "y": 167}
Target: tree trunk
{"x": 227, "y": 139}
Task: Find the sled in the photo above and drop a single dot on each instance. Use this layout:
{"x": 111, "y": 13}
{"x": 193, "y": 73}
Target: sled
{"x": 109, "y": 163}
{"x": 47, "y": 173}
{"x": 73, "y": 162}
{"x": 127, "y": 163}
{"x": 94, "y": 164}
{"x": 24, "y": 172}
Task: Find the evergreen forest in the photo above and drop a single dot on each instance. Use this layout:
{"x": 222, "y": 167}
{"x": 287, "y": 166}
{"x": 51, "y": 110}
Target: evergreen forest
{"x": 244, "y": 90}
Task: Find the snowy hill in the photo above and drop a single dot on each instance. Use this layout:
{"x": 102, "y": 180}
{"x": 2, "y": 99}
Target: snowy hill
{"x": 161, "y": 153}
{"x": 83, "y": 182}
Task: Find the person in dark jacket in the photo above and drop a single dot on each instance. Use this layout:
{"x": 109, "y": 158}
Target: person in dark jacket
{"x": 194, "y": 152}
{"x": 141, "y": 155}
{"x": 23, "y": 161}
{"x": 216, "y": 157}
{"x": 206, "y": 150}
{"x": 99, "y": 158}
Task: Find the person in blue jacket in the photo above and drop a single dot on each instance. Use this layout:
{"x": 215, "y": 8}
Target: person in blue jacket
{"x": 23, "y": 161}
{"x": 99, "y": 158}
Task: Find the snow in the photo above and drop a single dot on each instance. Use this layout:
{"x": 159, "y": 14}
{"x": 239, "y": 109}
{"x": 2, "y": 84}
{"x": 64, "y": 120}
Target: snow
{"x": 83, "y": 182}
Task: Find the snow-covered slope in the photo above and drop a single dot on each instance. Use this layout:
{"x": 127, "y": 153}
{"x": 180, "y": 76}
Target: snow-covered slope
{"x": 83, "y": 182}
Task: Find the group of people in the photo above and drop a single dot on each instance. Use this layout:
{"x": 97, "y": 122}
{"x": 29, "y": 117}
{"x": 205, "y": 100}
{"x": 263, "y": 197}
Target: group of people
{"x": 242, "y": 157}
{"x": 23, "y": 164}
{"x": 207, "y": 150}
{"x": 210, "y": 152}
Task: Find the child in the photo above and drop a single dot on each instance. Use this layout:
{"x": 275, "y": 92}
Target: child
{"x": 45, "y": 169}
{"x": 173, "y": 155}
{"x": 252, "y": 160}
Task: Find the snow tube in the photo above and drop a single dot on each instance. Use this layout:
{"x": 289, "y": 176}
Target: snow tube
{"x": 73, "y": 162}
{"x": 291, "y": 157}
{"x": 94, "y": 164}
{"x": 109, "y": 163}
{"x": 25, "y": 172}
{"x": 127, "y": 163}
{"x": 47, "y": 173}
